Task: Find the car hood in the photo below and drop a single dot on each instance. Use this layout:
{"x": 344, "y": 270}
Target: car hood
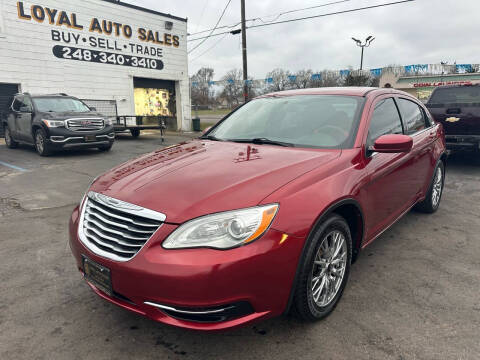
{"x": 202, "y": 177}
{"x": 70, "y": 115}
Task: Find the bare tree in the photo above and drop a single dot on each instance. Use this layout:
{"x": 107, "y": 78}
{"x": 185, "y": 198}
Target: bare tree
{"x": 233, "y": 87}
{"x": 359, "y": 78}
{"x": 303, "y": 79}
{"x": 279, "y": 81}
{"x": 201, "y": 91}
{"x": 330, "y": 79}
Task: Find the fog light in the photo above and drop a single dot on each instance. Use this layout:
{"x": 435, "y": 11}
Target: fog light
{"x": 57, "y": 138}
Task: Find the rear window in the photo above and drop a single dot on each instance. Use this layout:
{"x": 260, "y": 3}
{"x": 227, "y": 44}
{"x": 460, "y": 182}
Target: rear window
{"x": 456, "y": 95}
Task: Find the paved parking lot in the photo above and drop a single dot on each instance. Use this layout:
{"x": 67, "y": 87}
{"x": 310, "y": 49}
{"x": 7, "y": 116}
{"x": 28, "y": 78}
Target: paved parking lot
{"x": 413, "y": 294}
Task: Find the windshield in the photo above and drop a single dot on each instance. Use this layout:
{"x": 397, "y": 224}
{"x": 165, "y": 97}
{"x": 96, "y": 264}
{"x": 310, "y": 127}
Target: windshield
{"x": 59, "y": 104}
{"x": 321, "y": 121}
{"x": 456, "y": 95}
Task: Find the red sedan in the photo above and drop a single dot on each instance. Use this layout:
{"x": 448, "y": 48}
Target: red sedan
{"x": 264, "y": 213}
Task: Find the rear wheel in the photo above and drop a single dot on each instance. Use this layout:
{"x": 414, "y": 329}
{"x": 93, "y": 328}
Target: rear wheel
{"x": 43, "y": 148}
{"x": 135, "y": 132}
{"x": 325, "y": 270}
{"x": 12, "y": 144}
{"x": 434, "y": 195}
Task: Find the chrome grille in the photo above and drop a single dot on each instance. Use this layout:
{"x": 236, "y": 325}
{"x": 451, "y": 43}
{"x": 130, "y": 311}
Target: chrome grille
{"x": 116, "y": 229}
{"x": 88, "y": 124}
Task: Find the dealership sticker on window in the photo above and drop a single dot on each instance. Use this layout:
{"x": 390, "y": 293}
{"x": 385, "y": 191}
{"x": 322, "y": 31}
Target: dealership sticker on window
{"x": 73, "y": 53}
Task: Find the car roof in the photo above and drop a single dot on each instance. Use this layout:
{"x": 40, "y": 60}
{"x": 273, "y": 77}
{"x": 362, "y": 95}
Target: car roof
{"x": 347, "y": 91}
{"x": 455, "y": 86}
{"x": 52, "y": 96}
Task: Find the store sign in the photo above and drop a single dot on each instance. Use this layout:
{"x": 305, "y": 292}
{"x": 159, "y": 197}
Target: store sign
{"x": 440, "y": 83}
{"x": 105, "y": 36}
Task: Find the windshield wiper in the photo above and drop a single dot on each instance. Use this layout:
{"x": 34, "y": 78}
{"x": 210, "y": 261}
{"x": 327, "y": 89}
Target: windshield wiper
{"x": 211, "y": 137}
{"x": 262, "y": 141}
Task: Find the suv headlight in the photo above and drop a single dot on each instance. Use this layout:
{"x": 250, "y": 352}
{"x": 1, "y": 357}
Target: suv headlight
{"x": 54, "y": 123}
{"x": 224, "y": 230}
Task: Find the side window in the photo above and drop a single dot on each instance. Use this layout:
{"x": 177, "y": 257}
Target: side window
{"x": 17, "y": 103}
{"x": 413, "y": 116}
{"x": 428, "y": 118}
{"x": 27, "y": 102}
{"x": 385, "y": 120}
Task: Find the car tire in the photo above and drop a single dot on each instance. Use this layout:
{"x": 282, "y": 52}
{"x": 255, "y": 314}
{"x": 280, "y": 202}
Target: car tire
{"x": 41, "y": 144}
{"x": 317, "y": 295}
{"x": 434, "y": 194}
{"x": 105, "y": 147}
{"x": 12, "y": 144}
{"x": 135, "y": 133}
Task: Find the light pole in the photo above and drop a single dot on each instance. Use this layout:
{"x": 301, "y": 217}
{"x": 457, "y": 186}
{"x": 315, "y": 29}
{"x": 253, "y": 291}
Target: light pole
{"x": 367, "y": 43}
{"x": 244, "y": 51}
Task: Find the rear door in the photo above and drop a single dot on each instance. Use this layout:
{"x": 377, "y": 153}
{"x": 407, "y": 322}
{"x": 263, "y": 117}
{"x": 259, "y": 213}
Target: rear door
{"x": 457, "y": 108}
{"x": 418, "y": 125}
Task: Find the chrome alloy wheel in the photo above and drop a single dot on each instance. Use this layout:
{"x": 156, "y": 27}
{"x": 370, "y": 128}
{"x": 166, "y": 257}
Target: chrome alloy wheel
{"x": 329, "y": 268}
{"x": 39, "y": 142}
{"x": 437, "y": 187}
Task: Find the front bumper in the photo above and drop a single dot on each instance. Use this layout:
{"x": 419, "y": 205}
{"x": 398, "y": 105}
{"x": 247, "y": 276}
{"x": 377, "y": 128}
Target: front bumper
{"x": 160, "y": 283}
{"x": 471, "y": 142}
{"x": 61, "y": 138}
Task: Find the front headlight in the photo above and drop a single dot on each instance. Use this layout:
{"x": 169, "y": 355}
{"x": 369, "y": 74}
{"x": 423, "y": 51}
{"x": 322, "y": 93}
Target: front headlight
{"x": 108, "y": 122}
{"x": 224, "y": 230}
{"x": 54, "y": 123}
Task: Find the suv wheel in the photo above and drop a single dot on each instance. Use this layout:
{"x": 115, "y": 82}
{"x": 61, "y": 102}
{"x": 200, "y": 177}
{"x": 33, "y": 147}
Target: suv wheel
{"x": 324, "y": 270}
{"x": 12, "y": 144}
{"x": 105, "y": 147}
{"x": 434, "y": 195}
{"x": 41, "y": 144}
{"x": 135, "y": 132}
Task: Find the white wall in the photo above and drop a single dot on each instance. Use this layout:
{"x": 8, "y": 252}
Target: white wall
{"x": 26, "y": 55}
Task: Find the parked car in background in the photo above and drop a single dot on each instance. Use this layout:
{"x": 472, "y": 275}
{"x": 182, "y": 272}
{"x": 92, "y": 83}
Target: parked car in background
{"x": 262, "y": 214}
{"x": 457, "y": 108}
{"x": 55, "y": 122}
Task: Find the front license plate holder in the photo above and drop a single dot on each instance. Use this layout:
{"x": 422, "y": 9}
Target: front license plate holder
{"x": 97, "y": 275}
{"x": 90, "y": 138}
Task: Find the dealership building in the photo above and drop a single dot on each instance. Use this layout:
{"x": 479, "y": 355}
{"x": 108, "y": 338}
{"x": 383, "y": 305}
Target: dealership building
{"x": 422, "y": 85}
{"x": 120, "y": 58}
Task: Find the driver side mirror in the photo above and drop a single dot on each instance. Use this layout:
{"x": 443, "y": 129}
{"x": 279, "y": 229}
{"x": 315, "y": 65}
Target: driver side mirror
{"x": 393, "y": 143}
{"x": 93, "y": 108}
{"x": 206, "y": 130}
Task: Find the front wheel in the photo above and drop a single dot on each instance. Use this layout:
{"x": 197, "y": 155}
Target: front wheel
{"x": 105, "y": 147}
{"x": 41, "y": 144}
{"x": 324, "y": 270}
{"x": 12, "y": 144}
{"x": 434, "y": 195}
{"x": 135, "y": 132}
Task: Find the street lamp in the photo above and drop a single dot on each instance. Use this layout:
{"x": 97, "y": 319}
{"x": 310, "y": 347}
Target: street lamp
{"x": 367, "y": 43}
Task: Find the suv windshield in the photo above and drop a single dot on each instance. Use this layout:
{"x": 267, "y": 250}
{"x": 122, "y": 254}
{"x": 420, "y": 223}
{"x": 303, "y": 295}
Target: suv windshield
{"x": 320, "y": 121}
{"x": 59, "y": 104}
{"x": 456, "y": 95}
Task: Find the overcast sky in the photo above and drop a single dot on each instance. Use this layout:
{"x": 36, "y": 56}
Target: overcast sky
{"x": 423, "y": 31}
